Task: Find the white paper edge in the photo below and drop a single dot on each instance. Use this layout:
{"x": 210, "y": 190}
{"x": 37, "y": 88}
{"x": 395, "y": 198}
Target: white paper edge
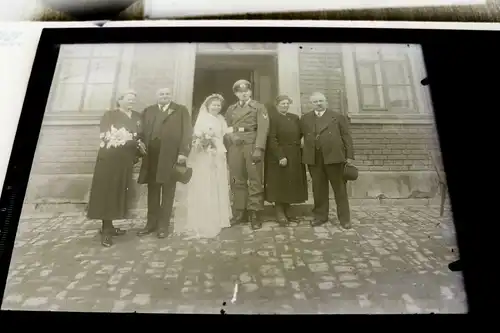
{"x": 157, "y": 9}
{"x": 309, "y": 24}
{"x": 18, "y": 62}
{"x": 21, "y": 62}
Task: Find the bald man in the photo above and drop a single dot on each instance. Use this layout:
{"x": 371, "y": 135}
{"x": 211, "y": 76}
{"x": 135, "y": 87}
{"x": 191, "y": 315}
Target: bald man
{"x": 327, "y": 147}
{"x": 167, "y": 134}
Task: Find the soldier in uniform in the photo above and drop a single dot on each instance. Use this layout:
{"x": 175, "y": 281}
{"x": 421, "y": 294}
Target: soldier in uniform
{"x": 248, "y": 123}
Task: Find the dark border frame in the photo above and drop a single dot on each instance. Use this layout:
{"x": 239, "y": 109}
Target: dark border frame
{"x": 447, "y": 54}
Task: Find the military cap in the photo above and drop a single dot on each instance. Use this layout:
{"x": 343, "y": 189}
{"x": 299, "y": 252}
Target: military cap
{"x": 241, "y": 85}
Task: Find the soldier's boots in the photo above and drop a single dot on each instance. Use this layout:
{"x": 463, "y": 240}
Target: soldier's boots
{"x": 239, "y": 217}
{"x": 244, "y": 216}
{"x": 281, "y": 217}
{"x": 255, "y": 220}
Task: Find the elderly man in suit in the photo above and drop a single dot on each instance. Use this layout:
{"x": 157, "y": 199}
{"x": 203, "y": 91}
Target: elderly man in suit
{"x": 249, "y": 122}
{"x": 167, "y": 134}
{"x": 327, "y": 147}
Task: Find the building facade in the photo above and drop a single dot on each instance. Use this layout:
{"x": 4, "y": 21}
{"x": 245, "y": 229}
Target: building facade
{"x": 376, "y": 86}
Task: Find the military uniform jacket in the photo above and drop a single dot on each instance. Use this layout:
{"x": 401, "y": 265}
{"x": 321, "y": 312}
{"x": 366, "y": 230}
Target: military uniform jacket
{"x": 332, "y": 137}
{"x": 250, "y": 123}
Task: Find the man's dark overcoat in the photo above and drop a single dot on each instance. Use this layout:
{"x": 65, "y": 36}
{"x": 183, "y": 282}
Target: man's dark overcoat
{"x": 176, "y": 139}
{"x": 333, "y": 135}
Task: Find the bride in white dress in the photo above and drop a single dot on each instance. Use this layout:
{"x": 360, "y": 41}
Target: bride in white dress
{"x": 207, "y": 200}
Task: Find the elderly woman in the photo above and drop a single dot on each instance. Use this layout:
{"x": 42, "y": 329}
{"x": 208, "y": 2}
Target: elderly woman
{"x": 285, "y": 175}
{"x": 119, "y": 150}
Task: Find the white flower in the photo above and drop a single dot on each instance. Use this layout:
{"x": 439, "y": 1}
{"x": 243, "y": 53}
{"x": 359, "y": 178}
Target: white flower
{"x": 117, "y": 137}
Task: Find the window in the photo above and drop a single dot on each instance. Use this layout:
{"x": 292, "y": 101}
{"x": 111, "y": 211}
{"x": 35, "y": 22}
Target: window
{"x": 86, "y": 78}
{"x": 384, "y": 79}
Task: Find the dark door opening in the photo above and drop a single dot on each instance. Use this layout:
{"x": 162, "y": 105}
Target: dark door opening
{"x": 217, "y": 74}
{"x": 217, "y": 81}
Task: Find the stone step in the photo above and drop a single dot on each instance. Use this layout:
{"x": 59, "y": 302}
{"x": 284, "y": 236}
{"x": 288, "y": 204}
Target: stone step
{"x": 71, "y": 209}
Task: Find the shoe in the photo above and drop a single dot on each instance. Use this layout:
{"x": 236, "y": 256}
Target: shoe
{"x": 162, "y": 234}
{"x": 346, "y": 226}
{"x": 289, "y": 216}
{"x": 238, "y": 218}
{"x": 106, "y": 240}
{"x": 318, "y": 222}
{"x": 280, "y": 215}
{"x": 145, "y": 231}
{"x": 119, "y": 232}
{"x": 116, "y": 232}
{"x": 255, "y": 221}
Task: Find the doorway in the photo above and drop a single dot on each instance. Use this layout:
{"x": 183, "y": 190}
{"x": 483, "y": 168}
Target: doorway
{"x": 218, "y": 73}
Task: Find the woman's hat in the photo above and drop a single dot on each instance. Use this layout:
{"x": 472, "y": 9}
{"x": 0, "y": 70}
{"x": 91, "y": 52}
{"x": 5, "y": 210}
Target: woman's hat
{"x": 182, "y": 173}
{"x": 350, "y": 172}
{"x": 283, "y": 98}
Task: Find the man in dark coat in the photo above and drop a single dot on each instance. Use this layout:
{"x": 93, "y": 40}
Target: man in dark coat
{"x": 167, "y": 134}
{"x": 327, "y": 147}
{"x": 249, "y": 122}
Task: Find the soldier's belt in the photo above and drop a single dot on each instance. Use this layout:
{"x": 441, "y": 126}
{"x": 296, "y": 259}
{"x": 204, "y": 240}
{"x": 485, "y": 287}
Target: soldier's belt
{"x": 244, "y": 129}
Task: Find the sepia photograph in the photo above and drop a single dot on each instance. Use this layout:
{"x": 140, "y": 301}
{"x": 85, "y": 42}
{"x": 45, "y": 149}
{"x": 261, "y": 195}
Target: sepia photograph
{"x": 239, "y": 178}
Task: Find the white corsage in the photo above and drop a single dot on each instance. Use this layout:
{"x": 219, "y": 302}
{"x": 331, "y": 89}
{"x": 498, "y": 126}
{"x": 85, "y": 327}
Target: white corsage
{"x": 116, "y": 137}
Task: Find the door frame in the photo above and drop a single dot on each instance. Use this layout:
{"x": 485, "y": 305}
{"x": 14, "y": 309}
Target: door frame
{"x": 203, "y": 73}
{"x": 189, "y": 53}
{"x": 255, "y": 61}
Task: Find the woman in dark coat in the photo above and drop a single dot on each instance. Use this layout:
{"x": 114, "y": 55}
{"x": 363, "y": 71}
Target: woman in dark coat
{"x": 118, "y": 152}
{"x": 285, "y": 175}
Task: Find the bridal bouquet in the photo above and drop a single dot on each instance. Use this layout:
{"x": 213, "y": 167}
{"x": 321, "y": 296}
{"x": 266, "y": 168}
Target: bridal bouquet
{"x": 205, "y": 141}
{"x": 116, "y": 137}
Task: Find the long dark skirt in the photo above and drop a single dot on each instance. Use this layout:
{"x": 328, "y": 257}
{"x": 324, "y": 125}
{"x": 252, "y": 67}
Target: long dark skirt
{"x": 286, "y": 184}
{"x": 112, "y": 184}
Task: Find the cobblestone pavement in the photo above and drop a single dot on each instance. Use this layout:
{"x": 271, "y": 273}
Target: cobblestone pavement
{"x": 394, "y": 260}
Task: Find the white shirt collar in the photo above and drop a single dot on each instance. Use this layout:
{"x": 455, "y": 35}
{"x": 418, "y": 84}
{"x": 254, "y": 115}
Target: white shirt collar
{"x": 165, "y": 107}
{"x": 320, "y": 113}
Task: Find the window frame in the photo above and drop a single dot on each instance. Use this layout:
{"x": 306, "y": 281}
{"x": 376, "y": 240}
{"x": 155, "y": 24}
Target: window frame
{"x": 89, "y": 117}
{"x": 384, "y": 85}
{"x": 417, "y": 71}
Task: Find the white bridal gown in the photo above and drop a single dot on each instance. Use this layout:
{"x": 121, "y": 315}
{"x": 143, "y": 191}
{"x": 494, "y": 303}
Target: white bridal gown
{"x": 207, "y": 199}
